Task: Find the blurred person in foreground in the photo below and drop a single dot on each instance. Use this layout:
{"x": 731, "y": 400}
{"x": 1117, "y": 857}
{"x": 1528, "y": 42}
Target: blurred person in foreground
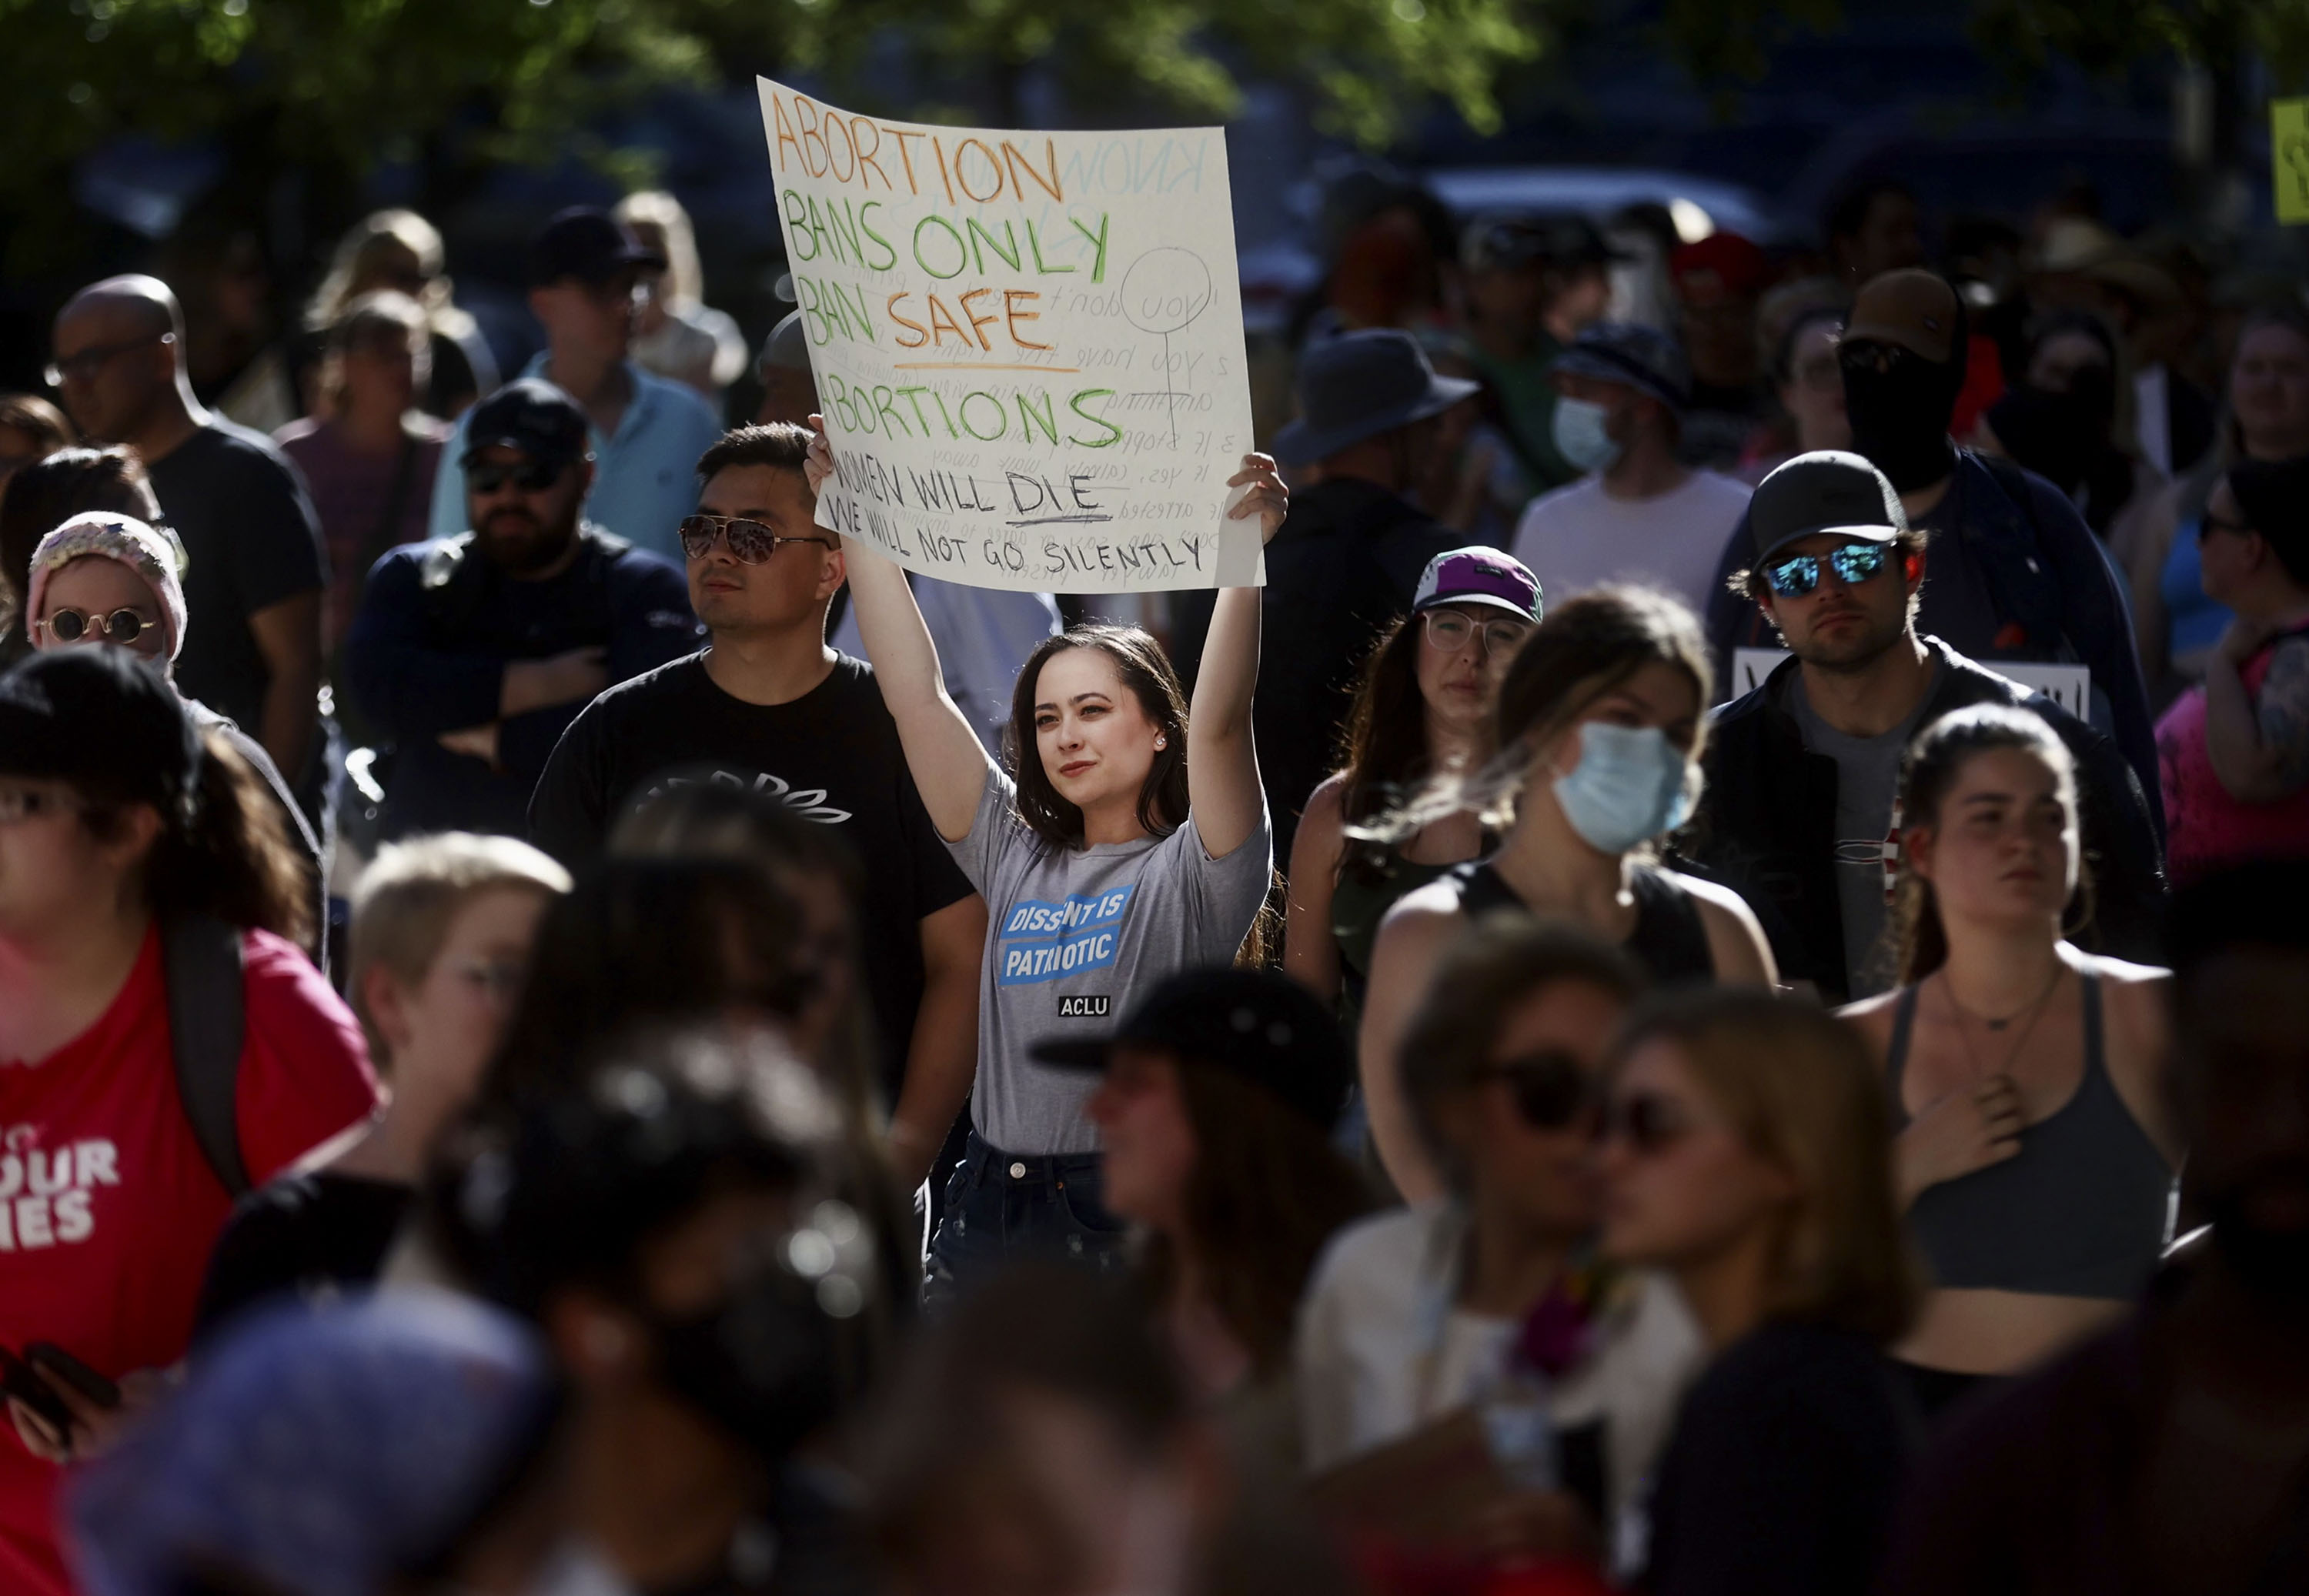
{"x": 1039, "y": 1442}
{"x": 398, "y": 1444}
{"x": 2179, "y": 624}
{"x": 1600, "y": 734}
{"x": 1347, "y": 563}
{"x": 2167, "y": 1454}
{"x": 474, "y": 655}
{"x": 2034, "y": 1149}
{"x": 109, "y": 580}
{"x": 49, "y": 492}
{"x": 1718, "y": 281}
{"x": 255, "y": 567}
{"x": 670, "y": 1216}
{"x": 402, "y": 251}
{"x": 646, "y": 432}
{"x": 676, "y": 334}
{"x": 1415, "y": 1314}
{"x": 1422, "y": 711}
{"x": 2017, "y": 575}
{"x": 1215, "y": 1107}
{"x": 1639, "y": 515}
{"x": 368, "y": 454}
{"x": 2236, "y": 748}
{"x": 1745, "y": 1151}
{"x": 441, "y": 933}
{"x": 1799, "y": 812}
{"x": 166, "y": 1046}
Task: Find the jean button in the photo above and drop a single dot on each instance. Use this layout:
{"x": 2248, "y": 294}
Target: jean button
{"x": 1018, "y": 1171}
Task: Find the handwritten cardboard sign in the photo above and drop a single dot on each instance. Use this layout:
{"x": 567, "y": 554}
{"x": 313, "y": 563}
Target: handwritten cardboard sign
{"x": 1028, "y": 346}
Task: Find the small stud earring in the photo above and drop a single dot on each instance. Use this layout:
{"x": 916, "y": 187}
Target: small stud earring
{"x": 1161, "y": 742}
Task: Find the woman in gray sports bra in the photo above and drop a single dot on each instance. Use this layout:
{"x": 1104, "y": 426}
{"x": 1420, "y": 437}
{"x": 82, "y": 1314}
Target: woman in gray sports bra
{"x": 2036, "y": 1158}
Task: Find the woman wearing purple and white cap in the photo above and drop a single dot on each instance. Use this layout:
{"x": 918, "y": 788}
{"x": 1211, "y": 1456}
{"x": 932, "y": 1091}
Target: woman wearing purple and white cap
{"x": 103, "y": 578}
{"x": 1422, "y": 709}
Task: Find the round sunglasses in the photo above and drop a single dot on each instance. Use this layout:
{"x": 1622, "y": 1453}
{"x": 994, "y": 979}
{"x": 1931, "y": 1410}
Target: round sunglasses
{"x": 1798, "y": 575}
{"x": 123, "y": 626}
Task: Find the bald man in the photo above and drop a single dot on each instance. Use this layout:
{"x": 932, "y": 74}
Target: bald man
{"x": 255, "y": 568}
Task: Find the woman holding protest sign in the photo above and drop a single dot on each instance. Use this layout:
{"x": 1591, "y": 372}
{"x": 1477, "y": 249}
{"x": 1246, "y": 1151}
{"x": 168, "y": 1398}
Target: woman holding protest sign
{"x": 1127, "y": 841}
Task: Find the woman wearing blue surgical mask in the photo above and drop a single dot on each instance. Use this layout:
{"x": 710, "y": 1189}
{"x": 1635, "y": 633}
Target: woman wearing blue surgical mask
{"x": 1599, "y": 729}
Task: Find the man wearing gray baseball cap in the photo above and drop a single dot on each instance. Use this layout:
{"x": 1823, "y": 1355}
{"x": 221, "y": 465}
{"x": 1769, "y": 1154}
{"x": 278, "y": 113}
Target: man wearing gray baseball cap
{"x": 1638, "y": 514}
{"x": 1347, "y": 562}
{"x": 1797, "y": 813}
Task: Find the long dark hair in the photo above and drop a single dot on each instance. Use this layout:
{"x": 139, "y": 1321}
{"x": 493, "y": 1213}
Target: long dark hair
{"x": 1146, "y": 670}
{"x": 1267, "y": 1190}
{"x": 229, "y": 857}
{"x": 1587, "y": 646}
{"x": 1933, "y": 761}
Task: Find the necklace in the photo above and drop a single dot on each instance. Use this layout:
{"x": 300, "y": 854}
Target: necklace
{"x": 2032, "y": 1013}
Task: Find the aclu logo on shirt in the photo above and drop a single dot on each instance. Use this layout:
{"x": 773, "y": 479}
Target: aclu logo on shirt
{"x": 1043, "y": 941}
{"x": 43, "y": 1196}
{"x": 1084, "y": 1007}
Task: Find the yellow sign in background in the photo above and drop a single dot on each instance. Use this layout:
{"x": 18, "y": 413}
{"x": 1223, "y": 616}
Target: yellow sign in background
{"x": 2288, "y": 150}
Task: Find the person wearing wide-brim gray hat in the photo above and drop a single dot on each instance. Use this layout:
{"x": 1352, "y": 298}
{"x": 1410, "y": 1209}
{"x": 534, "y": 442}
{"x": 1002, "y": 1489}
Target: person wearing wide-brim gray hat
{"x": 1359, "y": 386}
{"x": 1347, "y": 563}
{"x": 1632, "y": 355}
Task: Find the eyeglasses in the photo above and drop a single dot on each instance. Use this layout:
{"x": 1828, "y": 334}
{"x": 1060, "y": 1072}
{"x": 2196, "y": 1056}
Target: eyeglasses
{"x": 1649, "y": 1123}
{"x": 527, "y": 476}
{"x": 83, "y": 365}
{"x": 1868, "y": 355}
{"x": 1448, "y": 632}
{"x": 750, "y": 542}
{"x": 24, "y": 803}
{"x": 1798, "y": 575}
{"x": 1552, "y": 1090}
{"x": 122, "y": 627}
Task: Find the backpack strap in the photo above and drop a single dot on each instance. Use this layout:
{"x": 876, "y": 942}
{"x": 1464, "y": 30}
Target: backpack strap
{"x": 199, "y": 963}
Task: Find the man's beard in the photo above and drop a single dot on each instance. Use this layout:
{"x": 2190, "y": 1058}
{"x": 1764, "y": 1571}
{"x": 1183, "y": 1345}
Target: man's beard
{"x": 531, "y": 548}
{"x": 1854, "y": 653}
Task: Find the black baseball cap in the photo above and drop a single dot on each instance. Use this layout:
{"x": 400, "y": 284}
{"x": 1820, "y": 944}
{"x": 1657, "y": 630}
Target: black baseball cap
{"x": 1828, "y": 490}
{"x": 103, "y": 720}
{"x": 1262, "y": 1027}
{"x": 531, "y": 415}
{"x": 589, "y": 243}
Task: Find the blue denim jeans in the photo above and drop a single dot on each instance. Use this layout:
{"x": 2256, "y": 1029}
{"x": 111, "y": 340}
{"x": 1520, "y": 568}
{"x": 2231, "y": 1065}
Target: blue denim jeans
{"x": 1002, "y": 1207}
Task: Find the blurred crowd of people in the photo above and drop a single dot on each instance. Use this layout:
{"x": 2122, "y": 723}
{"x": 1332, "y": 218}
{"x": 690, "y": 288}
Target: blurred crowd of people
{"x": 1703, "y": 993}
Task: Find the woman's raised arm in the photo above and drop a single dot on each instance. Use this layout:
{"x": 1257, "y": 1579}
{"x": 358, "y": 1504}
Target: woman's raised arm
{"x": 1222, "y": 762}
{"x": 949, "y": 762}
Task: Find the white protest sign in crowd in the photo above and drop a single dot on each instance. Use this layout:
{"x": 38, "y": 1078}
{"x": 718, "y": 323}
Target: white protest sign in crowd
{"x": 1028, "y": 346}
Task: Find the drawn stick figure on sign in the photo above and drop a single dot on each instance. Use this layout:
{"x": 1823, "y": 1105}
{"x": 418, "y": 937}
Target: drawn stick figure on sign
{"x": 1164, "y": 291}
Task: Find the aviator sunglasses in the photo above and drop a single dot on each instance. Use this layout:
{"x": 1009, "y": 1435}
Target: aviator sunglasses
{"x": 1798, "y": 575}
{"x": 750, "y": 542}
{"x": 1551, "y": 1092}
{"x": 77, "y": 625}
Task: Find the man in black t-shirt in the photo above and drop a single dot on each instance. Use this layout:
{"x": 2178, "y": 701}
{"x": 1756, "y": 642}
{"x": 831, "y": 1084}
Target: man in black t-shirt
{"x": 770, "y": 705}
{"x": 255, "y": 567}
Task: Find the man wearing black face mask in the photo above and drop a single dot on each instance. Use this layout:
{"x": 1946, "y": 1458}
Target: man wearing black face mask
{"x": 2169, "y": 1454}
{"x": 665, "y": 1221}
{"x": 473, "y": 655}
{"x": 2016, "y": 572}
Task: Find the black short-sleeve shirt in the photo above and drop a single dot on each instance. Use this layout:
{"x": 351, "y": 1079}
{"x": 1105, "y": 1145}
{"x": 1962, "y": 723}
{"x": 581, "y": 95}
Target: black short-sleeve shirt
{"x": 833, "y": 754}
{"x": 251, "y": 541}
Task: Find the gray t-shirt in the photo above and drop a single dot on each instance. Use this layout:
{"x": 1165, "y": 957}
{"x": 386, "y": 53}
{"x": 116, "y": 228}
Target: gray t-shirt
{"x": 1076, "y": 937}
{"x": 1867, "y": 778}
